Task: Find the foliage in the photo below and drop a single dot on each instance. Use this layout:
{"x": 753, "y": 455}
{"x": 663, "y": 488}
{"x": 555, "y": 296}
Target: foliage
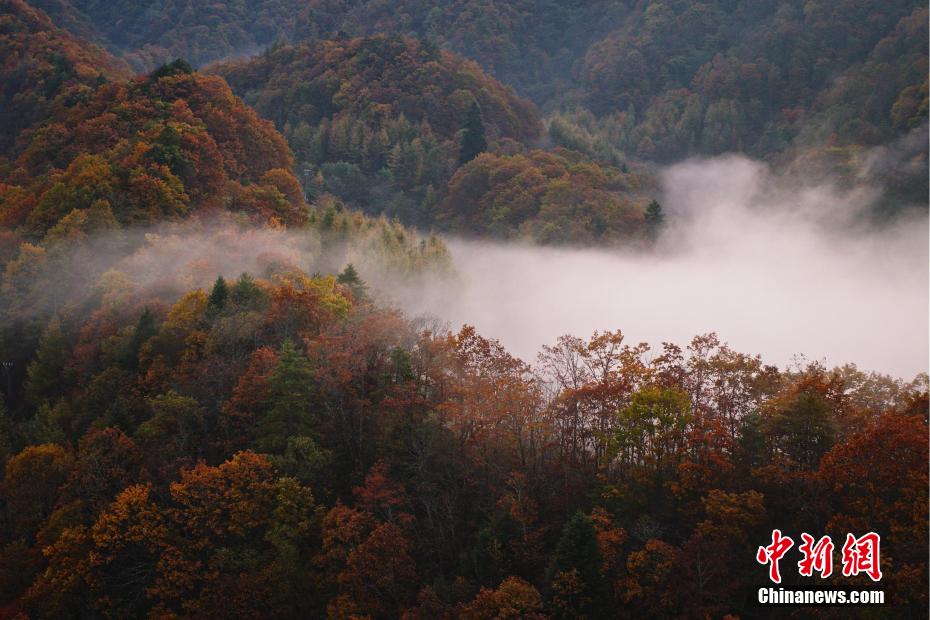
{"x": 382, "y": 120}
{"x": 44, "y": 68}
{"x": 553, "y": 198}
{"x": 338, "y": 447}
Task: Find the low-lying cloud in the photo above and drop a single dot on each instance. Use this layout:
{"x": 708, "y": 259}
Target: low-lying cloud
{"x": 772, "y": 265}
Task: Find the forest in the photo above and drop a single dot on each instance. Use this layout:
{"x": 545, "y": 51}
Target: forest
{"x": 214, "y": 404}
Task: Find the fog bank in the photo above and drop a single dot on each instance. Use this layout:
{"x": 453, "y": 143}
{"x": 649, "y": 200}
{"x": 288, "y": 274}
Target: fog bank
{"x": 772, "y": 265}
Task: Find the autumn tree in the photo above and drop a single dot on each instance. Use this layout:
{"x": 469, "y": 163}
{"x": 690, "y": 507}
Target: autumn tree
{"x": 513, "y": 598}
{"x": 32, "y": 484}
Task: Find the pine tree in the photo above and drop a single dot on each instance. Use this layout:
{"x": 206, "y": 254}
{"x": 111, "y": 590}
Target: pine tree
{"x": 145, "y": 329}
{"x": 293, "y": 402}
{"x": 655, "y": 219}
{"x": 351, "y": 279}
{"x": 46, "y": 372}
{"x": 578, "y": 560}
{"x": 474, "y": 141}
{"x": 245, "y": 292}
{"x": 219, "y": 295}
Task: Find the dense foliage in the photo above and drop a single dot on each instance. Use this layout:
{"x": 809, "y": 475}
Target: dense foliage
{"x": 278, "y": 446}
{"x": 550, "y": 198}
{"x": 686, "y": 77}
{"x": 719, "y": 76}
{"x": 43, "y": 67}
{"x": 160, "y": 146}
{"x": 382, "y": 122}
{"x": 153, "y": 32}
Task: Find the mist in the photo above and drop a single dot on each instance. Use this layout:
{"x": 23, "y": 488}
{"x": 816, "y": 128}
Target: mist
{"x": 773, "y": 264}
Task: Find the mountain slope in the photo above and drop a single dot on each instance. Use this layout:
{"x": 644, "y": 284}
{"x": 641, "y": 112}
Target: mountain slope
{"x": 43, "y": 67}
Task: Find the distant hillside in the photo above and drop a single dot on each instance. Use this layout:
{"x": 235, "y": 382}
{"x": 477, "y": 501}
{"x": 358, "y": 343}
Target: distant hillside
{"x": 156, "y": 147}
{"x": 661, "y": 79}
{"x": 152, "y": 32}
{"x": 378, "y": 78}
{"x": 711, "y": 77}
{"x": 551, "y": 198}
{"x": 43, "y": 67}
{"x": 380, "y": 121}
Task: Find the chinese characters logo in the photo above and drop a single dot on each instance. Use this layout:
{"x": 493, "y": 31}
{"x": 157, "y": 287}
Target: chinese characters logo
{"x": 859, "y": 555}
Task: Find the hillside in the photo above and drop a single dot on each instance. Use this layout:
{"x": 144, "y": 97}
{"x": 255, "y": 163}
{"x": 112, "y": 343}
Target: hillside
{"x": 153, "y": 32}
{"x": 744, "y": 74}
{"x": 160, "y": 146}
{"x": 557, "y": 198}
{"x": 707, "y": 78}
{"x": 379, "y": 121}
{"x": 43, "y": 68}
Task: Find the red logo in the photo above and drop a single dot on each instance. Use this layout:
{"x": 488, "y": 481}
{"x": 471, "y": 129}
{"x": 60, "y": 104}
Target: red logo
{"x": 817, "y": 557}
{"x": 859, "y": 555}
{"x": 773, "y": 553}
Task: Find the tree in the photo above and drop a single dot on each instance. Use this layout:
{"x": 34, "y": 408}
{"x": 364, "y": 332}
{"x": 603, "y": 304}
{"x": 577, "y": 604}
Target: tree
{"x": 576, "y": 568}
{"x": 46, "y": 374}
{"x": 473, "y": 136}
{"x": 800, "y": 426}
{"x": 650, "y": 431}
{"x": 294, "y": 402}
{"x": 350, "y": 278}
{"x": 145, "y": 329}
{"x": 655, "y": 219}
{"x": 380, "y": 576}
{"x": 653, "y": 581}
{"x": 219, "y": 295}
{"x": 245, "y": 292}
{"x": 107, "y": 462}
{"x": 32, "y": 484}
{"x": 877, "y": 481}
{"x": 513, "y": 599}
{"x": 179, "y": 65}
{"x": 174, "y": 433}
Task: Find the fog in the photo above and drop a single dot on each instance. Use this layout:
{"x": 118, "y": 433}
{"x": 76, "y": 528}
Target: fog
{"x": 773, "y": 265}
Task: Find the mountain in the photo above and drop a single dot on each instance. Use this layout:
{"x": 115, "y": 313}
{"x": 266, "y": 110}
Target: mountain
{"x": 43, "y": 68}
{"x": 158, "y": 146}
{"x": 153, "y": 32}
{"x": 743, "y": 74}
{"x": 379, "y": 121}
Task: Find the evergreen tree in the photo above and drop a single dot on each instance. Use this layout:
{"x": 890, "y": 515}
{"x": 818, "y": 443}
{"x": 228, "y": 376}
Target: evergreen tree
{"x": 474, "y": 141}
{"x": 46, "y": 372}
{"x": 245, "y": 292}
{"x": 351, "y": 279}
{"x": 578, "y": 560}
{"x": 655, "y": 219}
{"x": 145, "y": 329}
{"x": 178, "y": 66}
{"x": 293, "y": 399}
{"x": 219, "y": 295}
